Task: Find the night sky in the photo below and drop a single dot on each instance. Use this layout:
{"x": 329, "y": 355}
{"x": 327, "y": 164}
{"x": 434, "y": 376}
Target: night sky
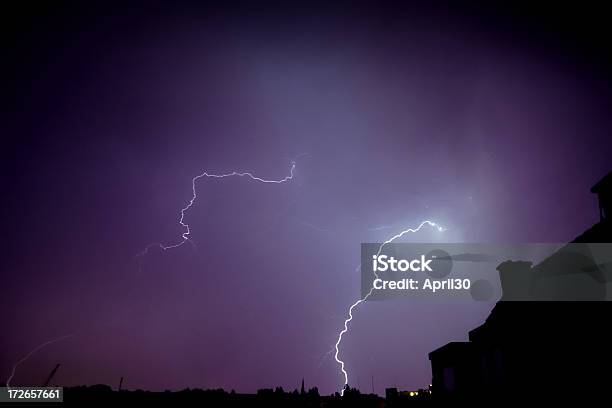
{"x": 492, "y": 121}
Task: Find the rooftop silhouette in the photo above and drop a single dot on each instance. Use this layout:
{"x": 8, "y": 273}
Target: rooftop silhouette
{"x": 540, "y": 349}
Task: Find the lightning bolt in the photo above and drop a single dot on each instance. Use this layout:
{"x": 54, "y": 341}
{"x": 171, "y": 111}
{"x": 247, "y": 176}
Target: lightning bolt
{"x": 185, "y": 238}
{"x": 363, "y": 299}
{"x": 40, "y": 346}
{"x": 194, "y": 196}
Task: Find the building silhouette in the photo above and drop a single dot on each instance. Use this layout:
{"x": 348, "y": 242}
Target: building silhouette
{"x": 555, "y": 342}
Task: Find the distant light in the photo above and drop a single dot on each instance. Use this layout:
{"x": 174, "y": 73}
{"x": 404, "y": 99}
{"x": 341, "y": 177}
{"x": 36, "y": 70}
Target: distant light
{"x": 411, "y": 394}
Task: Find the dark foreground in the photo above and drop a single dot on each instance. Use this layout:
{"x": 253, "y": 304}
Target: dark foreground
{"x": 103, "y": 394}
{"x": 221, "y": 398}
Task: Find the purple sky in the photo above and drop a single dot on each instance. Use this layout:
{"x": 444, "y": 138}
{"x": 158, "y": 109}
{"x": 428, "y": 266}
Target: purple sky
{"x": 396, "y": 117}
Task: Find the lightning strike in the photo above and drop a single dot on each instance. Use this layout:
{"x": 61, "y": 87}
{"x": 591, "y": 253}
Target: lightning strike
{"x": 187, "y": 231}
{"x": 185, "y": 238}
{"x": 40, "y": 346}
{"x": 363, "y": 299}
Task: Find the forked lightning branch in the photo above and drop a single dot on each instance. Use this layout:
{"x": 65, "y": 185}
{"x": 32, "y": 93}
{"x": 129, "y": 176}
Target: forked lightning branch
{"x": 370, "y": 292}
